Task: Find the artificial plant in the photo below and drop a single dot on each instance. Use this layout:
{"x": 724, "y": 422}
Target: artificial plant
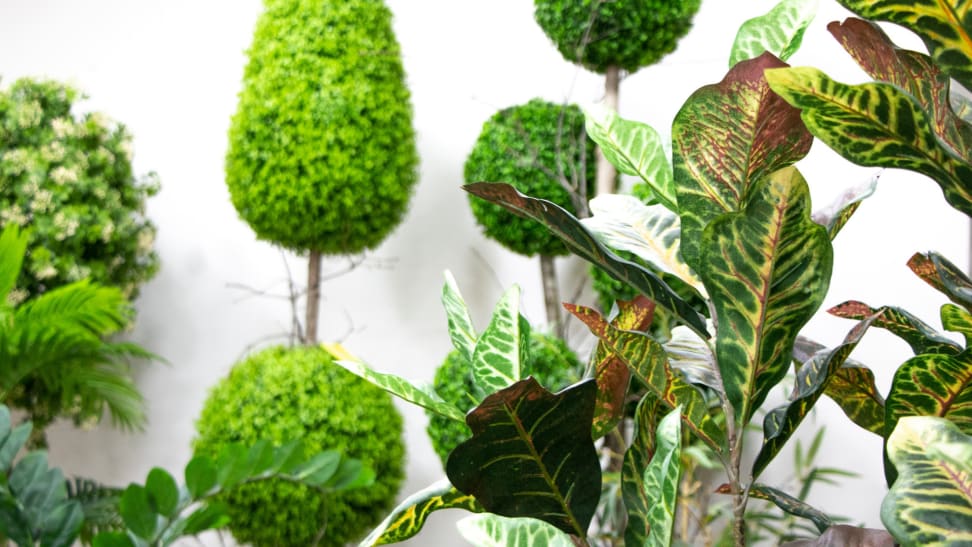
{"x": 321, "y": 152}
{"x": 540, "y": 147}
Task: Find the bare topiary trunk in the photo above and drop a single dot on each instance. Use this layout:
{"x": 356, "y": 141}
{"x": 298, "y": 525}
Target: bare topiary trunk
{"x": 551, "y": 293}
{"x": 606, "y": 173}
{"x": 313, "y": 297}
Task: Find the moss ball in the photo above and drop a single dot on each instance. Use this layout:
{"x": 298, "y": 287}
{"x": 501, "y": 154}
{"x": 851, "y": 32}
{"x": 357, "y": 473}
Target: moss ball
{"x": 629, "y": 34}
{"x": 281, "y": 394}
{"x": 550, "y": 361}
{"x": 536, "y": 147}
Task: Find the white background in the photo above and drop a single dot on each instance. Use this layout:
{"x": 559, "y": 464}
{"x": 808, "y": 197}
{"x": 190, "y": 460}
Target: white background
{"x": 170, "y": 70}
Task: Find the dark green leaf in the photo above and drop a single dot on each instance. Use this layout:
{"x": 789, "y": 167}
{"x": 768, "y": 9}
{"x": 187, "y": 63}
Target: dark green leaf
{"x": 350, "y": 474}
{"x": 61, "y": 525}
{"x": 319, "y": 468}
{"x": 13, "y": 442}
{"x": 636, "y": 460}
{"x": 787, "y": 503}
{"x": 210, "y": 516}
{"x": 200, "y": 476}
{"x": 113, "y": 539}
{"x": 287, "y": 457}
{"x": 136, "y": 510}
{"x": 163, "y": 492}
{"x": 531, "y": 455}
{"x": 406, "y": 520}
{"x": 920, "y": 336}
{"x": 232, "y": 465}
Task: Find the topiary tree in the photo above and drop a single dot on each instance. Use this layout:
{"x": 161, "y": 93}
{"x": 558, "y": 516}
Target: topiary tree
{"x": 541, "y": 148}
{"x": 549, "y": 360}
{"x": 281, "y": 394}
{"x": 321, "y": 150}
{"x": 608, "y": 37}
{"x": 68, "y": 178}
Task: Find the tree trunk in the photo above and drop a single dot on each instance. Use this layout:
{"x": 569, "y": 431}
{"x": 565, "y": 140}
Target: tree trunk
{"x": 551, "y": 293}
{"x": 606, "y": 173}
{"x": 313, "y": 297}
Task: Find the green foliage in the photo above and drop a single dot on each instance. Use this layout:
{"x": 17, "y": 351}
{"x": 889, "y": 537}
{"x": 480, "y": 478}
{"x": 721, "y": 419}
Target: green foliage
{"x": 68, "y": 177}
{"x": 321, "y": 149}
{"x": 629, "y": 34}
{"x": 549, "y": 360}
{"x": 541, "y": 149}
{"x": 281, "y": 394}
{"x": 406, "y": 520}
{"x": 57, "y": 362}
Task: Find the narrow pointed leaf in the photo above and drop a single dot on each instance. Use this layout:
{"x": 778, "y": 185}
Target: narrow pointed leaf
{"x": 932, "y": 385}
{"x": 583, "y": 244}
{"x": 531, "y": 455}
{"x": 661, "y": 479}
{"x": 919, "y": 335}
{"x": 726, "y": 137}
{"x": 836, "y": 215}
{"x": 636, "y": 460}
{"x": 634, "y": 148}
{"x": 931, "y": 502}
{"x": 943, "y": 26}
{"x": 956, "y": 319}
{"x": 611, "y": 373}
{"x": 13, "y": 245}
{"x": 648, "y": 362}
{"x": 501, "y": 350}
{"x": 495, "y": 531}
{"x": 811, "y": 381}
{"x": 944, "y": 276}
{"x": 461, "y": 329}
{"x": 423, "y": 396}
{"x": 767, "y": 270}
{"x": 787, "y": 503}
{"x": 651, "y": 232}
{"x": 408, "y": 518}
{"x": 853, "y": 389}
{"x": 874, "y": 124}
{"x": 780, "y": 31}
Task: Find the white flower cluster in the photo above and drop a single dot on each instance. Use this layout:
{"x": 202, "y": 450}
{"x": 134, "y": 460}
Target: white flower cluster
{"x": 63, "y": 127}
{"x": 16, "y": 160}
{"x": 14, "y": 215}
{"x": 43, "y": 201}
{"x": 64, "y": 175}
{"x": 66, "y": 227}
{"x": 29, "y": 115}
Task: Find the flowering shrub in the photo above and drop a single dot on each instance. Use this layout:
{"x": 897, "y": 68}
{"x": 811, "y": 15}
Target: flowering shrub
{"x": 68, "y": 178}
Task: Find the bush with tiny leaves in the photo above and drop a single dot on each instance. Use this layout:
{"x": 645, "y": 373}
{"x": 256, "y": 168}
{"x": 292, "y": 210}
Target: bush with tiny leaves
{"x": 629, "y": 34}
{"x": 550, "y": 361}
{"x": 282, "y": 394}
{"x": 321, "y": 149}
{"x": 68, "y": 178}
{"x": 537, "y": 147}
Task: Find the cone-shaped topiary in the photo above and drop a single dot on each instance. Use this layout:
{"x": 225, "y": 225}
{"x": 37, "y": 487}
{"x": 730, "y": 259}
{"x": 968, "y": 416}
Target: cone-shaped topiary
{"x": 550, "y": 361}
{"x": 281, "y": 394}
{"x": 536, "y": 147}
{"x": 322, "y": 152}
{"x": 629, "y": 34}
{"x": 68, "y": 178}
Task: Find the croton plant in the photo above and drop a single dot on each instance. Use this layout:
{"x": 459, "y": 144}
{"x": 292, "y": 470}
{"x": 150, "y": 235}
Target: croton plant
{"x": 739, "y": 258}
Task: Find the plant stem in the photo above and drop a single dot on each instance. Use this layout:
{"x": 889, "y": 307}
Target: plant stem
{"x": 607, "y": 175}
{"x": 551, "y": 293}
{"x": 313, "y": 297}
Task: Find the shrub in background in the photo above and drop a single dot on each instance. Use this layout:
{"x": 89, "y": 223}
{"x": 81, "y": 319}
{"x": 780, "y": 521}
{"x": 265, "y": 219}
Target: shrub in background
{"x": 281, "y": 394}
{"x": 69, "y": 178}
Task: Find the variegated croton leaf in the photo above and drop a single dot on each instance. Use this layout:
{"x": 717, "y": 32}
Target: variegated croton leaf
{"x": 944, "y": 276}
{"x": 407, "y": 520}
{"x": 919, "y": 335}
{"x": 636, "y": 458}
{"x": 780, "y": 31}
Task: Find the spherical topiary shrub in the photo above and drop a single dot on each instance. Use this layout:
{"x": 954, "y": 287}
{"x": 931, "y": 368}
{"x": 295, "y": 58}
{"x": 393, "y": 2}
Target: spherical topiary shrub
{"x": 530, "y": 146}
{"x": 321, "y": 150}
{"x": 629, "y": 34}
{"x": 550, "y": 361}
{"x": 68, "y": 178}
{"x": 281, "y": 394}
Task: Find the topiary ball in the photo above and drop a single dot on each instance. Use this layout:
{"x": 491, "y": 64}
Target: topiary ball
{"x": 531, "y": 146}
{"x": 629, "y": 34}
{"x": 321, "y": 149}
{"x": 68, "y": 178}
{"x": 281, "y": 394}
{"x": 549, "y": 360}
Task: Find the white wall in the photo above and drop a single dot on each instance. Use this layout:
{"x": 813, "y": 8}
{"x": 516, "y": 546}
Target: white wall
{"x": 171, "y": 70}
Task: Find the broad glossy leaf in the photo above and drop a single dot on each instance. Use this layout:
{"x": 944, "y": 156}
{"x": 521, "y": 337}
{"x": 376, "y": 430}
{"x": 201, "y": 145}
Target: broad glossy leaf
{"x": 919, "y": 335}
{"x": 210, "y": 516}
{"x": 136, "y": 511}
{"x": 200, "y": 476}
{"x": 319, "y": 469}
{"x": 932, "y": 385}
{"x": 636, "y": 460}
{"x": 531, "y": 455}
{"x": 943, "y": 25}
{"x": 423, "y": 396}
{"x": 351, "y": 473}
{"x": 13, "y": 442}
{"x": 726, "y": 137}
{"x": 931, "y": 502}
{"x": 61, "y": 525}
{"x": 488, "y": 530}
{"x": 852, "y": 387}
{"x": 611, "y": 373}
{"x": 408, "y": 518}
{"x": 583, "y": 244}
{"x": 634, "y": 148}
{"x": 779, "y": 31}
{"x": 163, "y": 492}
{"x": 500, "y": 353}
{"x": 661, "y": 479}
{"x": 787, "y": 503}
{"x": 874, "y": 124}
{"x": 648, "y": 361}
{"x": 767, "y": 270}
{"x": 461, "y": 329}
{"x": 944, "y": 276}
{"x": 112, "y": 539}
{"x": 957, "y": 319}
{"x": 836, "y": 215}
{"x": 36, "y": 487}
{"x": 811, "y": 381}
{"x": 912, "y": 71}
{"x": 651, "y": 232}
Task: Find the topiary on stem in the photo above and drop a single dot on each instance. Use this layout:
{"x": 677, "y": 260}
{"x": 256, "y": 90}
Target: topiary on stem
{"x": 281, "y": 394}
{"x": 322, "y": 152}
